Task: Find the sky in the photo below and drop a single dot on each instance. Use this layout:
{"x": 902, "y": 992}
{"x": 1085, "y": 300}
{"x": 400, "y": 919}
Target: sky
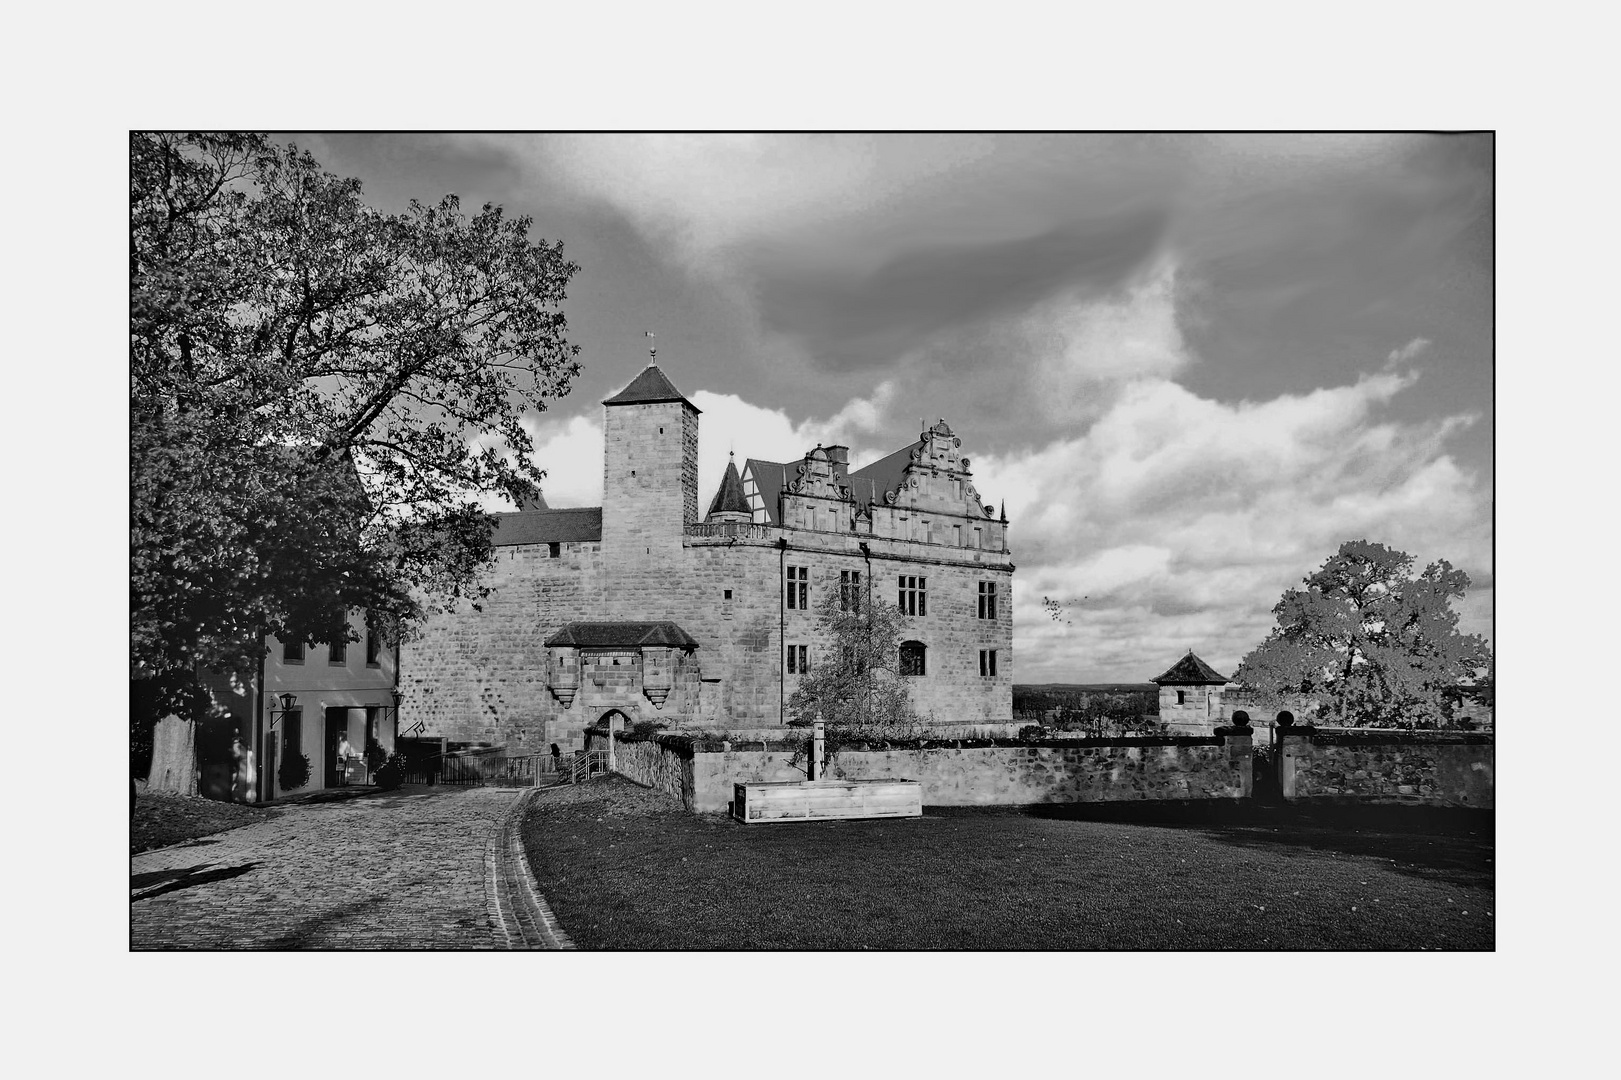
{"x": 1191, "y": 365}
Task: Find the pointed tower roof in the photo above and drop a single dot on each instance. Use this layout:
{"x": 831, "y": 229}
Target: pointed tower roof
{"x": 650, "y": 387}
{"x": 730, "y": 497}
{"x": 1190, "y": 671}
{"x": 537, "y": 502}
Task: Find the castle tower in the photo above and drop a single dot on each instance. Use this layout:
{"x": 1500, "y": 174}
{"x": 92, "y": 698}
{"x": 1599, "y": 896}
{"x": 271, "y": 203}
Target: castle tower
{"x": 650, "y": 468}
{"x": 1190, "y": 696}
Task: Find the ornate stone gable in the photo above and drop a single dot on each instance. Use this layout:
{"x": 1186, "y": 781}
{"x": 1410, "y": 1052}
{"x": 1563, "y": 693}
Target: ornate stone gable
{"x": 937, "y": 478}
{"x": 815, "y": 475}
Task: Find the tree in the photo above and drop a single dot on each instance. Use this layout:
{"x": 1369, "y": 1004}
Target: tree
{"x": 1376, "y": 643}
{"x": 319, "y": 394}
{"x": 854, "y": 685}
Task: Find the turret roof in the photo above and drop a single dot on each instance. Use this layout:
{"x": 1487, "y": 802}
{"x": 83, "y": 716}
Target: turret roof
{"x": 1190, "y": 671}
{"x": 648, "y": 388}
{"x": 729, "y": 499}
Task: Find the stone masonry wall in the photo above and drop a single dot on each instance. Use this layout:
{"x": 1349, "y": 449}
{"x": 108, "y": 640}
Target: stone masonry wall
{"x": 482, "y": 677}
{"x": 1435, "y": 769}
{"x": 1218, "y": 768}
{"x": 659, "y": 767}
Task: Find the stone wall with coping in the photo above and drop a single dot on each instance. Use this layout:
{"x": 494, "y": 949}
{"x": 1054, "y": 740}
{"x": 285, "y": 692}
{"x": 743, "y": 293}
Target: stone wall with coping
{"x": 1218, "y": 767}
{"x": 1374, "y": 766}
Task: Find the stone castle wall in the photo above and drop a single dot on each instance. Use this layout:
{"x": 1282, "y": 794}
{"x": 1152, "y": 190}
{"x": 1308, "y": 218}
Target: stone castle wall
{"x": 1363, "y": 765}
{"x": 1195, "y": 768}
{"x": 483, "y": 677}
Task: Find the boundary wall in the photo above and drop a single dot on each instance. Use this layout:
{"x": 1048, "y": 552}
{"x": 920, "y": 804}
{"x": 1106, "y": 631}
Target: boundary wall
{"x": 1170, "y": 768}
{"x": 1365, "y": 765}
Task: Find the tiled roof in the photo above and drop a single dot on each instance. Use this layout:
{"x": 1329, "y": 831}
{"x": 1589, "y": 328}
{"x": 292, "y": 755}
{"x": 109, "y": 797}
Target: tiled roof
{"x": 648, "y": 388}
{"x": 868, "y": 483}
{"x": 548, "y": 526}
{"x": 1190, "y": 671}
{"x": 729, "y": 498}
{"x": 622, "y": 635}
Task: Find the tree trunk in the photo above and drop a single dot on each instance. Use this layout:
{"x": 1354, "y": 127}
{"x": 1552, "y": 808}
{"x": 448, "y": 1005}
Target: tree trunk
{"x": 174, "y": 756}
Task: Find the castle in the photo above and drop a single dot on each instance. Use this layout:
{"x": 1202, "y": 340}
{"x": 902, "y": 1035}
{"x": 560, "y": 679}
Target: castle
{"x": 638, "y": 610}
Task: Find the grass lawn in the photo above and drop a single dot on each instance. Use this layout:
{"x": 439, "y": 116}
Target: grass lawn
{"x": 625, "y": 867}
{"x": 163, "y": 818}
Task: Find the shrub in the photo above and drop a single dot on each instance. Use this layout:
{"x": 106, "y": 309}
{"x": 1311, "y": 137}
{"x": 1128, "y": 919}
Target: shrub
{"x": 294, "y": 771}
{"x": 1032, "y": 731}
{"x": 391, "y": 774}
{"x": 646, "y": 727}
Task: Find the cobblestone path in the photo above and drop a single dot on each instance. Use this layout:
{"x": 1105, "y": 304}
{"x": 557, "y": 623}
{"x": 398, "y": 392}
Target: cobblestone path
{"x": 422, "y": 868}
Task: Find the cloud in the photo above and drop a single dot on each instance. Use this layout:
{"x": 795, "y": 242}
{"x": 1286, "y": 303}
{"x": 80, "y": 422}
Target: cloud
{"x": 1177, "y": 521}
{"x": 1407, "y": 352}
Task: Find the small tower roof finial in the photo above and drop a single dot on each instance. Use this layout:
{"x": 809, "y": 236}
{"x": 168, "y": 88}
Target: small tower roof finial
{"x": 652, "y": 346}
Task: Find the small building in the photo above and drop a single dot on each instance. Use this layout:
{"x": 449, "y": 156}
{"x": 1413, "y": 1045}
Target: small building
{"x": 1190, "y": 694}
{"x": 326, "y": 703}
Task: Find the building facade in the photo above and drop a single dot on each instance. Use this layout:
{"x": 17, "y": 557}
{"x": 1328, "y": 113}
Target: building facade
{"x": 324, "y": 703}
{"x": 640, "y": 610}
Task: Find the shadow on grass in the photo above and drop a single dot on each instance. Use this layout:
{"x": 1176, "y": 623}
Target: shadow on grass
{"x": 167, "y": 881}
{"x": 1456, "y": 843}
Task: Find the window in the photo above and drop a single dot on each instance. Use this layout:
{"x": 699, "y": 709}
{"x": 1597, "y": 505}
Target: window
{"x": 956, "y": 535}
{"x": 374, "y": 648}
{"x": 913, "y": 595}
{"x": 1181, "y": 697}
{"x": 987, "y": 663}
{"x": 987, "y": 599}
{"x": 292, "y": 652}
{"x": 976, "y": 538}
{"x": 850, "y": 590}
{"x": 799, "y": 588}
{"x": 798, "y": 659}
{"x": 727, "y": 594}
{"x": 554, "y": 550}
{"x": 912, "y": 653}
{"x": 337, "y": 652}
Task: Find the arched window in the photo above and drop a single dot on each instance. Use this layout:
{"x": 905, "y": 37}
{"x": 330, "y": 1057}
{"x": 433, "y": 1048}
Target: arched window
{"x": 912, "y": 658}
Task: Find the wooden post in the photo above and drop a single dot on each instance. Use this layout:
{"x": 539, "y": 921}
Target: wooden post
{"x": 818, "y": 745}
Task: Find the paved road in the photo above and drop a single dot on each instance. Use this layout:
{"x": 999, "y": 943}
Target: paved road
{"x": 423, "y": 868}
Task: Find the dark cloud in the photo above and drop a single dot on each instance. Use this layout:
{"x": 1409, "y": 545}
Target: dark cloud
{"x": 850, "y": 322}
{"x": 398, "y": 168}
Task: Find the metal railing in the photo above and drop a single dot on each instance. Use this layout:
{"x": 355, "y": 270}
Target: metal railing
{"x": 585, "y": 764}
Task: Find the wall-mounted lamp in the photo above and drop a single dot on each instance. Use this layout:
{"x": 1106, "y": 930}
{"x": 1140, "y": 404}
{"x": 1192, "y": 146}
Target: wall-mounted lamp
{"x": 287, "y": 701}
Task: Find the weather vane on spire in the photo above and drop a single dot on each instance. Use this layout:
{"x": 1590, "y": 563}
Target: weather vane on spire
{"x": 652, "y": 347}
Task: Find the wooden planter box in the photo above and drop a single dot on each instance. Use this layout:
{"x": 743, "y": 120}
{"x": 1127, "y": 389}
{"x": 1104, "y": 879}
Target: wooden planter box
{"x": 816, "y": 800}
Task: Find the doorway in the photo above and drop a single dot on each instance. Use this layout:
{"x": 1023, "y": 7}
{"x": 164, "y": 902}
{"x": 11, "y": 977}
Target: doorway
{"x": 337, "y": 733}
